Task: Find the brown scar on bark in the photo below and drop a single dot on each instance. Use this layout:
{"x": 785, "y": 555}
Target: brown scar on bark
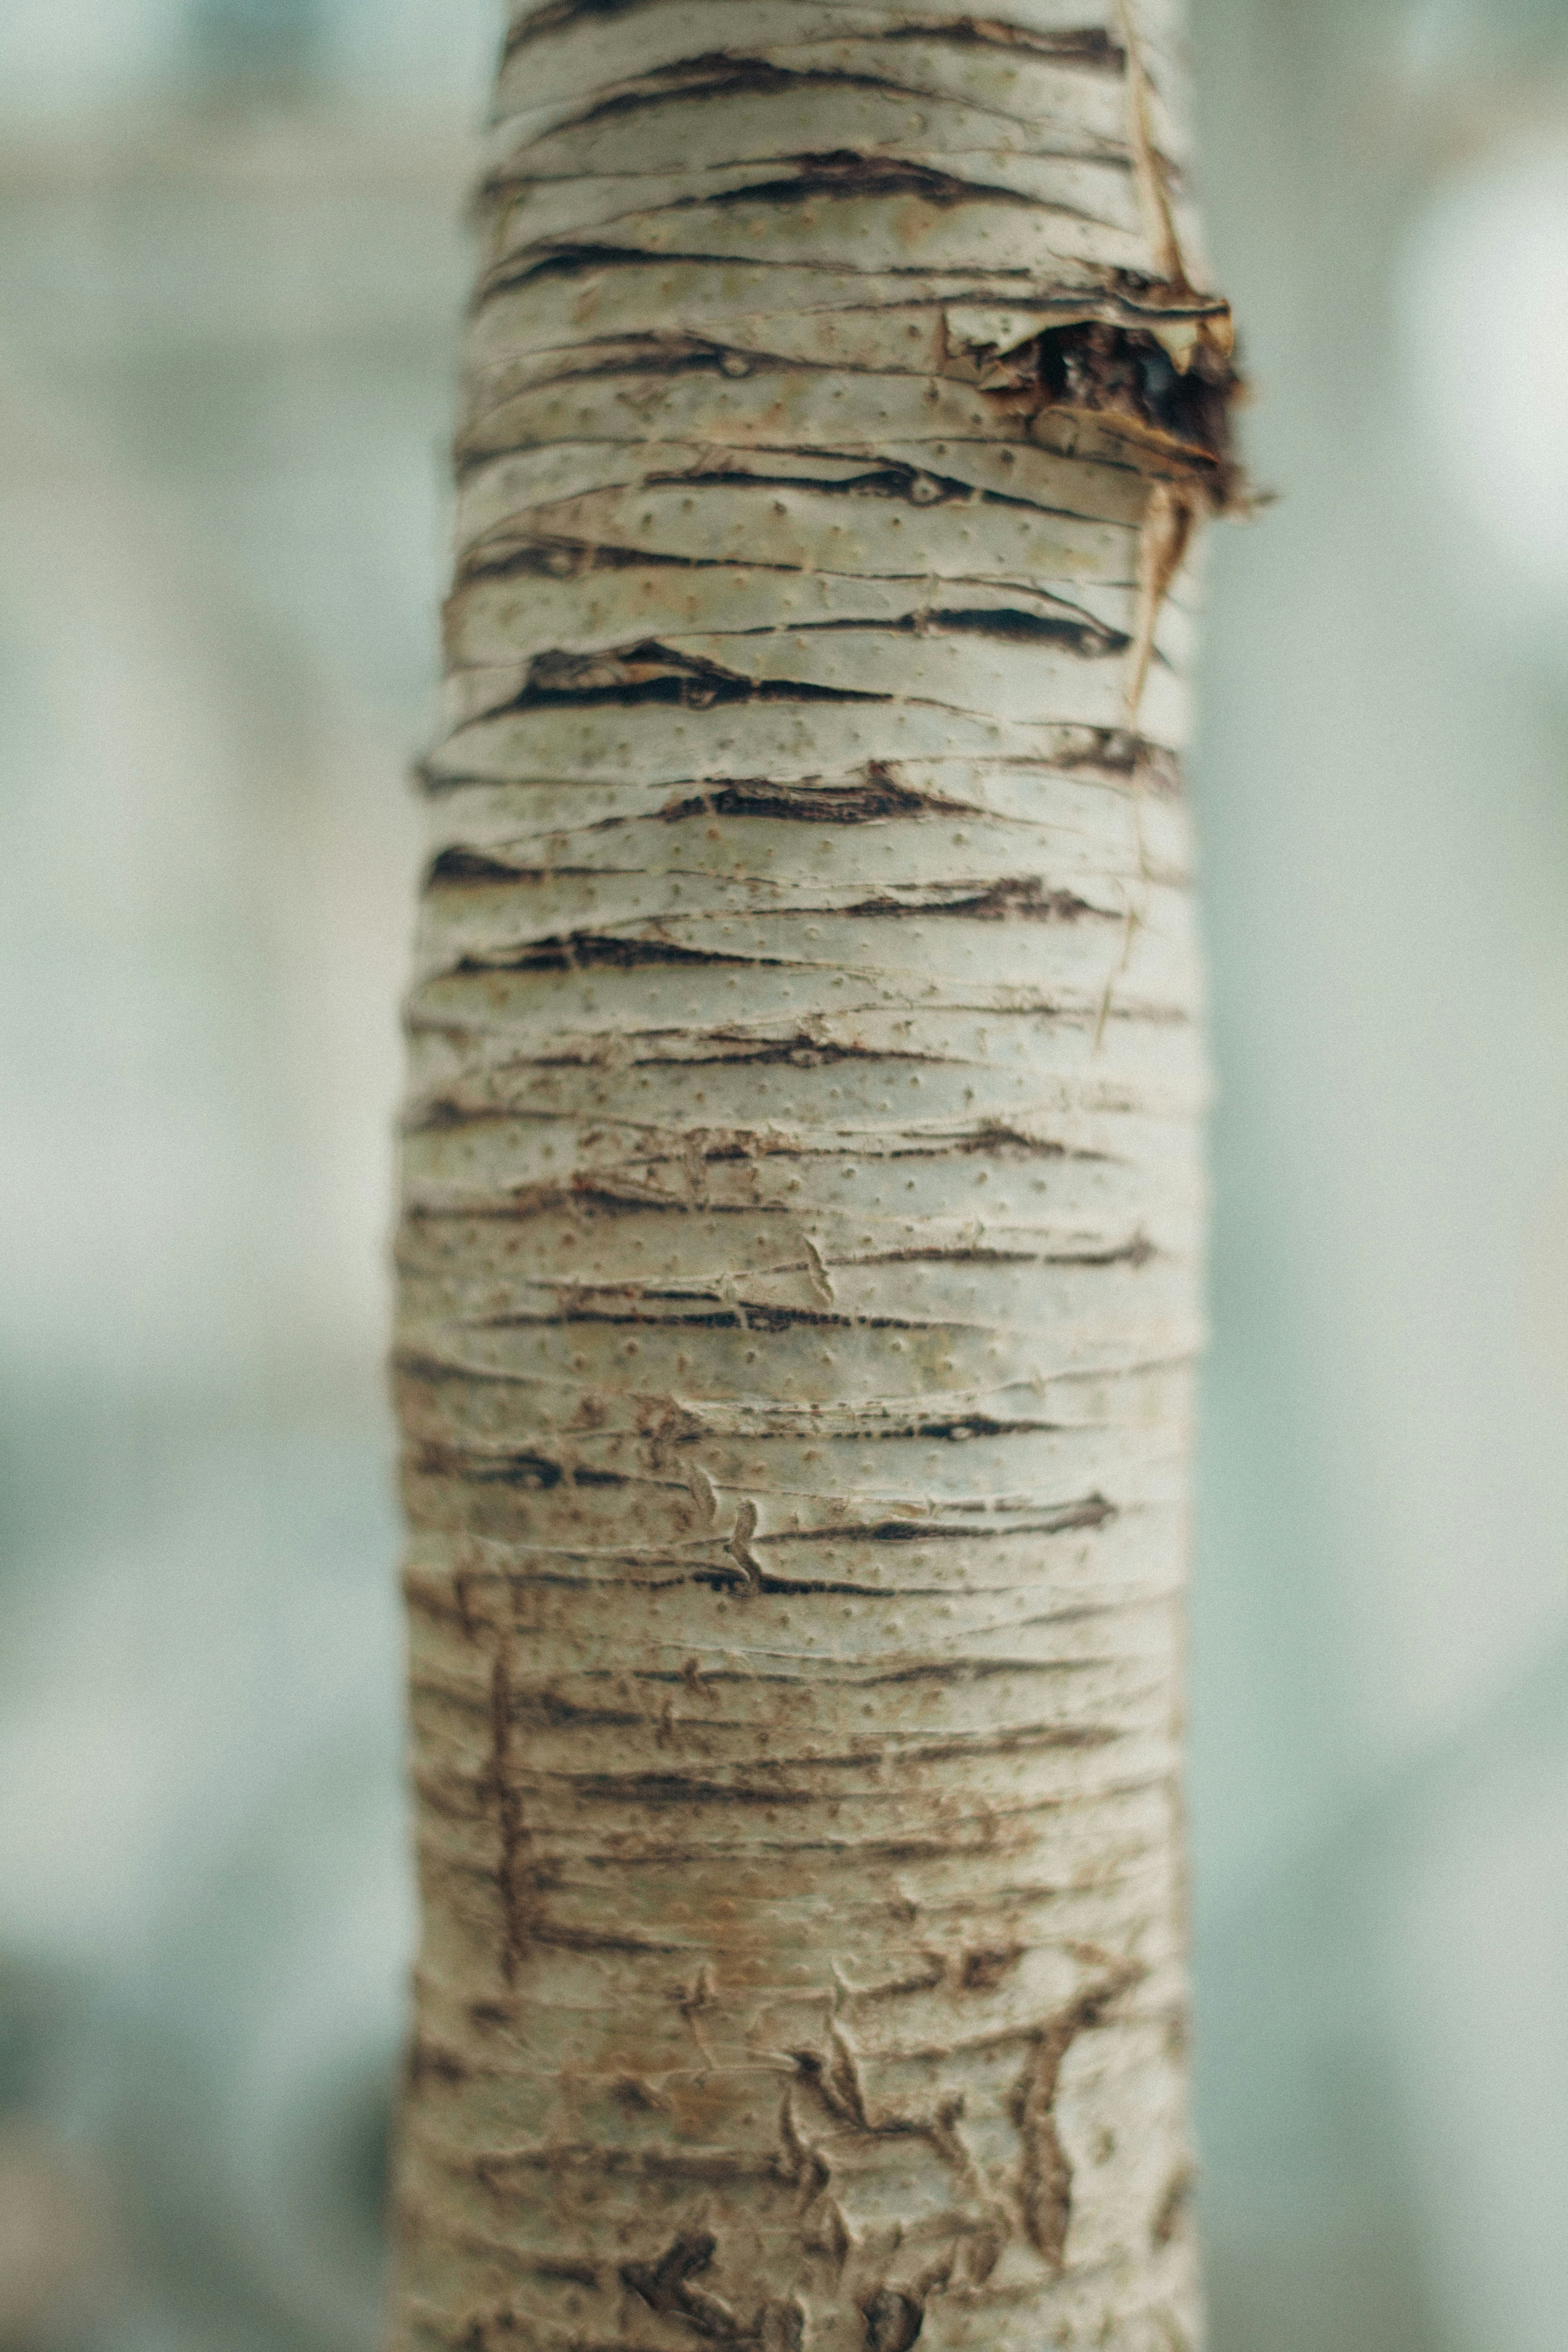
{"x": 894, "y": 2316}
{"x": 739, "y": 1547}
{"x": 983, "y": 1968}
{"x": 926, "y": 1978}
{"x": 704, "y": 1494}
{"x": 837, "y": 2083}
{"x": 634, "y": 2091}
{"x": 818, "y": 1276}
{"x": 893, "y": 2320}
{"x": 701, "y": 1993}
{"x": 1145, "y": 162}
{"x": 669, "y": 2286}
{"x": 1045, "y": 2173}
{"x": 1163, "y": 541}
{"x": 1117, "y": 971}
{"x": 434, "y": 2062}
{"x": 823, "y": 2230}
{"x": 798, "y": 2162}
{"x": 983, "y": 2247}
{"x": 1172, "y": 2208}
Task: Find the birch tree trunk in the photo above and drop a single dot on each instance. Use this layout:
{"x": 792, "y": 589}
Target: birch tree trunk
{"x": 799, "y": 1266}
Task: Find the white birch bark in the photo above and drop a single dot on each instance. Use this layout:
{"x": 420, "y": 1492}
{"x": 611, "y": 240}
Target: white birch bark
{"x": 803, "y": 1196}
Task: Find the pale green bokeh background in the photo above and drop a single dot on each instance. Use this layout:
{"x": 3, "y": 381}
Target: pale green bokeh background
{"x": 230, "y": 274}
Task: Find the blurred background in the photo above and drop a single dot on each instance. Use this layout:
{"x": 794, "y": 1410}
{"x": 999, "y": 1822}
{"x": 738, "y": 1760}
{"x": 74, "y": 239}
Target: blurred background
{"x": 231, "y": 269}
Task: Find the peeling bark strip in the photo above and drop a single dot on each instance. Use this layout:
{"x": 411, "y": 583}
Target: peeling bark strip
{"x": 801, "y": 1195}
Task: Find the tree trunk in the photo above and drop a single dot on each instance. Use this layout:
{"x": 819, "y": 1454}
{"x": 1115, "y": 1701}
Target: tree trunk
{"x": 803, "y": 1196}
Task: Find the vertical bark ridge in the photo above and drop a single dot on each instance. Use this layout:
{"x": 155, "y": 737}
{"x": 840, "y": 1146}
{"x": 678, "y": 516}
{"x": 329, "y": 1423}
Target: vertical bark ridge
{"x": 799, "y": 1258}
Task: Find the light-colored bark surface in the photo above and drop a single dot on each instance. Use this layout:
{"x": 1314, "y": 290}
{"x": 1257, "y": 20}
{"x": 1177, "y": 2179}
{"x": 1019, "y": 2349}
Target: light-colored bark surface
{"x": 802, "y": 1183}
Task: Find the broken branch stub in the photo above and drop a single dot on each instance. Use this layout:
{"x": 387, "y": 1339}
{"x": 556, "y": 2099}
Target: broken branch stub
{"x": 802, "y": 1197}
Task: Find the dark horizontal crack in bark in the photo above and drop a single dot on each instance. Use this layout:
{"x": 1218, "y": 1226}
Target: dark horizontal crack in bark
{"x": 715, "y": 76}
{"x": 724, "y": 75}
{"x": 557, "y": 1936}
{"x": 1008, "y": 625}
{"x": 648, "y": 671}
{"x": 1015, "y": 899}
{"x": 443, "y": 1603}
{"x": 610, "y": 1191}
{"x": 766, "y": 1781}
{"x": 705, "y": 1681}
{"x": 551, "y": 556}
{"x": 871, "y": 1760}
{"x": 972, "y": 1836}
{"x": 1089, "y": 46}
{"x": 1014, "y": 627}
{"x": 672, "y": 1789}
{"x": 577, "y": 260}
{"x": 844, "y": 172}
{"x": 541, "y": 1703}
{"x": 957, "y": 1670}
{"x": 501, "y": 555}
{"x": 703, "y": 1314}
{"x": 587, "y": 1195}
{"x": 1106, "y": 751}
{"x": 1114, "y": 752}
{"x": 562, "y": 15}
{"x": 1000, "y": 1141}
{"x": 460, "y": 866}
{"x": 722, "y": 1052}
{"x": 915, "y": 485}
{"x": 531, "y": 1473}
{"x": 585, "y": 950}
{"x": 875, "y": 796}
{"x": 628, "y": 676}
{"x": 543, "y": 1706}
{"x": 1086, "y": 46}
{"x": 1134, "y": 1252}
{"x": 1093, "y": 1511}
{"x": 957, "y": 1429}
{"x": 878, "y": 798}
{"x": 587, "y": 259}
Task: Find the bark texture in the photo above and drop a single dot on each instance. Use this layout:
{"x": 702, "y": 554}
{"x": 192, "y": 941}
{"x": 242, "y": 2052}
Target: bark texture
{"x": 799, "y": 1264}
